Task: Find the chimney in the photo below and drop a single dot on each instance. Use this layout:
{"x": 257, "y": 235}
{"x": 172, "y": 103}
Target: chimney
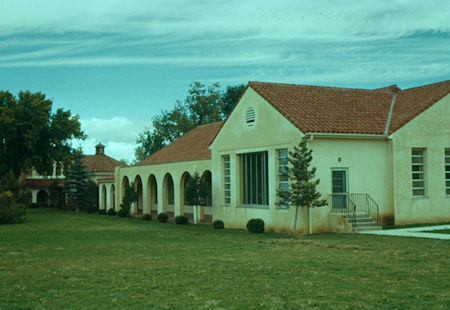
{"x": 99, "y": 149}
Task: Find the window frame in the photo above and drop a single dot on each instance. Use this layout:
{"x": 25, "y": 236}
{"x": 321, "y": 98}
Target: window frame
{"x": 254, "y": 180}
{"x": 417, "y": 169}
{"x": 226, "y": 160}
{"x": 447, "y": 171}
{"x": 281, "y": 173}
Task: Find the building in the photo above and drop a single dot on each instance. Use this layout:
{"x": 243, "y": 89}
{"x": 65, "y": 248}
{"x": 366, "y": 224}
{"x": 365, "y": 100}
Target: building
{"x": 383, "y": 153}
{"x": 99, "y": 166}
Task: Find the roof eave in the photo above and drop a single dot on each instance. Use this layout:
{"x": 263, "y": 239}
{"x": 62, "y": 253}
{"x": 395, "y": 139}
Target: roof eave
{"x": 360, "y": 136}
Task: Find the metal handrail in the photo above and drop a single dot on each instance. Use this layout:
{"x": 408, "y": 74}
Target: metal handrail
{"x": 367, "y": 205}
{"x": 353, "y": 204}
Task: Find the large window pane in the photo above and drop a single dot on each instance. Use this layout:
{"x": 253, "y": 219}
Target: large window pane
{"x": 255, "y": 179}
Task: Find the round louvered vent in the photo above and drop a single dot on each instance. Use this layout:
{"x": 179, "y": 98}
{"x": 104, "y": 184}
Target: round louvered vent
{"x": 250, "y": 117}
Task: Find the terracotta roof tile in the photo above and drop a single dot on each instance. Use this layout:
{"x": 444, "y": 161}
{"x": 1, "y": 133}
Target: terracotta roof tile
{"x": 106, "y": 178}
{"x": 43, "y": 182}
{"x": 194, "y": 145}
{"x": 348, "y": 110}
{"x": 101, "y": 163}
{"x": 411, "y": 102}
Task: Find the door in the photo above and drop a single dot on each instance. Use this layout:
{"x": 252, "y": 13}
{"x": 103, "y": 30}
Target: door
{"x": 339, "y": 189}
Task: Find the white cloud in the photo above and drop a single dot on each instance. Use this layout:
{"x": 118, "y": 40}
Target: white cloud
{"x": 118, "y": 134}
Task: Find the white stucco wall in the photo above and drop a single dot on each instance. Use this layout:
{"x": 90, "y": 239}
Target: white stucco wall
{"x": 429, "y": 130}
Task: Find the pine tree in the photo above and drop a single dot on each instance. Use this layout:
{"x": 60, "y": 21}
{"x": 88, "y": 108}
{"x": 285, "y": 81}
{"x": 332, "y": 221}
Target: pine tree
{"x": 302, "y": 190}
{"x": 77, "y": 182}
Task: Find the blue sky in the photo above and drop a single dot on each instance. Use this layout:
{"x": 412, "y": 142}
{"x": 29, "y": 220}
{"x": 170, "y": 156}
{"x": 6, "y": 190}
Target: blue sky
{"x": 118, "y": 63}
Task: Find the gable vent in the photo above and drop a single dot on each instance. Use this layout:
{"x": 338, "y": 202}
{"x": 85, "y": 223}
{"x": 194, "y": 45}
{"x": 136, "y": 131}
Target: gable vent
{"x": 250, "y": 117}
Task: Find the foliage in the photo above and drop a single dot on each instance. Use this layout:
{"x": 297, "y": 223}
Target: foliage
{"x": 147, "y": 217}
{"x": 91, "y": 197}
{"x": 54, "y": 194}
{"x": 181, "y": 220}
{"x": 129, "y": 197}
{"x": 302, "y": 191}
{"x": 202, "y": 105}
{"x": 255, "y": 226}
{"x": 34, "y": 206}
{"x": 162, "y": 217}
{"x": 230, "y": 97}
{"x": 218, "y": 224}
{"x": 12, "y": 200}
{"x": 31, "y": 136}
{"x": 102, "y": 211}
{"x": 196, "y": 190}
{"x": 112, "y": 212}
{"x": 76, "y": 186}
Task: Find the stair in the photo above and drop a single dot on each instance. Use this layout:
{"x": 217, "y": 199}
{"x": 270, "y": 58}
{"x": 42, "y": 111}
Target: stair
{"x": 363, "y": 223}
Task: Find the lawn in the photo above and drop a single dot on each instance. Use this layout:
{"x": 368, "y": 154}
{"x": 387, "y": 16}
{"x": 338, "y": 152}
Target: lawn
{"x": 87, "y": 261}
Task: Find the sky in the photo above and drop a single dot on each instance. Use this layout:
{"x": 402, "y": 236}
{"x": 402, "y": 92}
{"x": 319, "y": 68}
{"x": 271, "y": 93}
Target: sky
{"x": 119, "y": 63}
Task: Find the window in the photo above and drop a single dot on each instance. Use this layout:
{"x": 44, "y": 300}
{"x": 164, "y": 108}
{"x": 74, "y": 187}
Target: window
{"x": 418, "y": 172}
{"x": 447, "y": 171}
{"x": 254, "y": 179}
{"x": 283, "y": 177}
{"x": 226, "y": 179}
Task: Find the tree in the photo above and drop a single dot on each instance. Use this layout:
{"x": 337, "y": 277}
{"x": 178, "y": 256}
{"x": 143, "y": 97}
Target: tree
{"x": 230, "y": 97}
{"x": 302, "y": 190}
{"x": 130, "y": 196}
{"x": 196, "y": 192}
{"x": 76, "y": 185}
{"x": 202, "y": 105}
{"x": 31, "y": 136}
{"x": 12, "y": 199}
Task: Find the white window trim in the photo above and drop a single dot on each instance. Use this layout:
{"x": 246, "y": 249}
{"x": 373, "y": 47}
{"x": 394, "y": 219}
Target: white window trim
{"x": 226, "y": 173}
{"x": 447, "y": 170}
{"x": 279, "y": 174}
{"x": 421, "y": 172}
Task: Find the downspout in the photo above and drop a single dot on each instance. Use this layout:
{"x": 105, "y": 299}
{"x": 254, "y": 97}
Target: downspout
{"x": 388, "y": 122}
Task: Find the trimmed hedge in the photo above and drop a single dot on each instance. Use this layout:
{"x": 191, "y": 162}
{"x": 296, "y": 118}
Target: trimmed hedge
{"x": 163, "y": 217}
{"x": 218, "y": 224}
{"x": 112, "y": 212}
{"x": 123, "y": 213}
{"x": 181, "y": 220}
{"x": 147, "y": 217}
{"x": 255, "y": 226}
{"x": 102, "y": 211}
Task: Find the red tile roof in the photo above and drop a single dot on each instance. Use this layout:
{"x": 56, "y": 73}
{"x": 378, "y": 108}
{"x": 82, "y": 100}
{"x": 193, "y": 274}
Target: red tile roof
{"x": 194, "y": 145}
{"x": 43, "y": 182}
{"x": 106, "y": 178}
{"x": 101, "y": 163}
{"x": 347, "y": 110}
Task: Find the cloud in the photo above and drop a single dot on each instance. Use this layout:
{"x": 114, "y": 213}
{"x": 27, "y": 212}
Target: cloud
{"x": 118, "y": 134}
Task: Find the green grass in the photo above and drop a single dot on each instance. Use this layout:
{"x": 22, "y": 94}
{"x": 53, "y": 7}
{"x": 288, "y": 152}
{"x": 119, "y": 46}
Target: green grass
{"x": 66, "y": 261}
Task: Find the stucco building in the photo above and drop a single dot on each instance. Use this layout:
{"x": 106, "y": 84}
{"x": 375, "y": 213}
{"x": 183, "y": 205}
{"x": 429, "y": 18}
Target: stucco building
{"x": 99, "y": 166}
{"x": 383, "y": 153}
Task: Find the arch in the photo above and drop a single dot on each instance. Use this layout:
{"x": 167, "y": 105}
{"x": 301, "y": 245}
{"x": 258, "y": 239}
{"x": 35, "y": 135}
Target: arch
{"x": 138, "y": 205}
{"x": 104, "y": 205}
{"x": 125, "y": 183}
{"x": 42, "y": 198}
{"x": 152, "y": 196}
{"x": 183, "y": 183}
{"x": 112, "y": 197}
{"x": 168, "y": 194}
{"x": 207, "y": 178}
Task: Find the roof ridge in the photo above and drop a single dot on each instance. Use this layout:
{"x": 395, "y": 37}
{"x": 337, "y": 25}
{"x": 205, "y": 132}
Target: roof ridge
{"x": 319, "y": 86}
{"x": 427, "y": 85}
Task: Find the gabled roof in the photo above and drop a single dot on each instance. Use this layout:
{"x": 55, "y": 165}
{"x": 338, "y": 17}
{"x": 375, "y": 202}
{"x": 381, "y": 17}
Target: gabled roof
{"x": 348, "y": 110}
{"x": 44, "y": 182}
{"x": 194, "y": 145}
{"x": 101, "y": 163}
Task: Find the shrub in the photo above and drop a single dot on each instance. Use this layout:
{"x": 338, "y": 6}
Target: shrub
{"x": 255, "y": 226}
{"x": 181, "y": 220}
{"x": 218, "y": 224}
{"x": 147, "y": 217}
{"x": 124, "y": 212}
{"x": 112, "y": 212}
{"x": 163, "y": 217}
{"x": 91, "y": 210}
{"x": 34, "y": 206}
{"x": 102, "y": 211}
{"x": 11, "y": 211}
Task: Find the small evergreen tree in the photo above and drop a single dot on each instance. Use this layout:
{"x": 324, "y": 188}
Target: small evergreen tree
{"x": 129, "y": 197}
{"x": 77, "y": 182}
{"x": 196, "y": 191}
{"x": 302, "y": 190}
